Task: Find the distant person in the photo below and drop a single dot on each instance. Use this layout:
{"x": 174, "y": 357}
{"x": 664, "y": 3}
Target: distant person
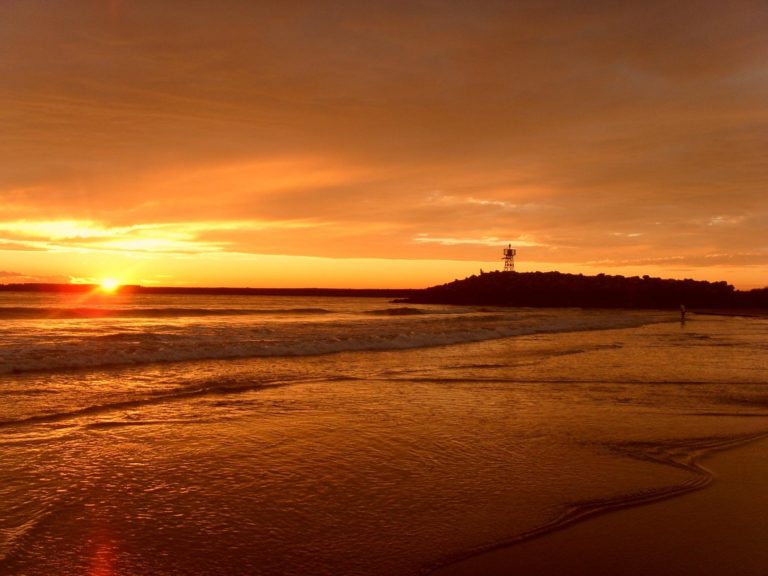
{"x": 682, "y": 313}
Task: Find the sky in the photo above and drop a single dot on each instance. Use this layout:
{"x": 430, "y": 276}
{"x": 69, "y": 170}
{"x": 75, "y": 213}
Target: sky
{"x": 381, "y": 144}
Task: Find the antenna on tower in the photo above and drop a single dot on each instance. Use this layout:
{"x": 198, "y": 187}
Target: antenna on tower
{"x": 509, "y": 258}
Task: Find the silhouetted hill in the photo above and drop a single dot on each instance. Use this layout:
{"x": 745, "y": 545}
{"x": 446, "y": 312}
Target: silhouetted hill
{"x": 757, "y": 298}
{"x": 554, "y": 289}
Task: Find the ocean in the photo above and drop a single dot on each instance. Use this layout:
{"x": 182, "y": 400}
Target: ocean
{"x": 253, "y": 435}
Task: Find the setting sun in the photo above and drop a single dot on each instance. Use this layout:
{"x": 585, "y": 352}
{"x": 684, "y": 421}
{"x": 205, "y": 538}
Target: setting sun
{"x": 109, "y": 285}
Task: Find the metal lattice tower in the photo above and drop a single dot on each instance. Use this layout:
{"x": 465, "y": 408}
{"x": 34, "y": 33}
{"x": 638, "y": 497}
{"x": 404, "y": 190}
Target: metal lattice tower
{"x": 509, "y": 258}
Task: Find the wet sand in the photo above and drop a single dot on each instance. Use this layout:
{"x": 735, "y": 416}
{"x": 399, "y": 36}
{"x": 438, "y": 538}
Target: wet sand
{"x": 743, "y": 312}
{"x": 715, "y": 531}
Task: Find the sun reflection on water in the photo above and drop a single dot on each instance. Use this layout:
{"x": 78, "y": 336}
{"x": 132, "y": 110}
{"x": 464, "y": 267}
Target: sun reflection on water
{"x": 103, "y": 559}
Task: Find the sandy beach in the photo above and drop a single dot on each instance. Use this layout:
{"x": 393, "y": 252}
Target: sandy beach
{"x": 368, "y": 440}
{"x": 714, "y": 531}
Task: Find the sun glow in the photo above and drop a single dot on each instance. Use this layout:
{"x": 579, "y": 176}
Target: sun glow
{"x": 109, "y": 285}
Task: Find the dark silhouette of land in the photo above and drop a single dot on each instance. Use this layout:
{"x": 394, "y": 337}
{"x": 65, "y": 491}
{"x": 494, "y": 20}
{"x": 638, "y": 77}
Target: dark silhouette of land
{"x": 535, "y": 289}
{"x": 136, "y": 289}
{"x": 555, "y": 289}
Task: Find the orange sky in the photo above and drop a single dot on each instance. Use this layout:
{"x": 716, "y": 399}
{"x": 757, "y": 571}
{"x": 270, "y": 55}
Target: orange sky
{"x": 388, "y": 144}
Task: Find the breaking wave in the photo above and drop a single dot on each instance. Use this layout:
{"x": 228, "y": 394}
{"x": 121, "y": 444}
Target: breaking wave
{"x": 31, "y": 312}
{"x": 405, "y": 311}
{"x": 131, "y": 342}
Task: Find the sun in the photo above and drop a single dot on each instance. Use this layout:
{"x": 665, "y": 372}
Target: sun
{"x": 109, "y": 285}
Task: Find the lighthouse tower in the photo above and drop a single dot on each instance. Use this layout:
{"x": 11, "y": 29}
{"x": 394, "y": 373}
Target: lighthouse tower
{"x": 509, "y": 258}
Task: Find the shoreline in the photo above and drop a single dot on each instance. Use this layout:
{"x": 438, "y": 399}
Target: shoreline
{"x": 717, "y": 530}
{"x": 742, "y": 312}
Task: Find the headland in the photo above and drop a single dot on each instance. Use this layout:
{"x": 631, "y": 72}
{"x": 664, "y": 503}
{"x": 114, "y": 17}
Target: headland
{"x": 555, "y": 289}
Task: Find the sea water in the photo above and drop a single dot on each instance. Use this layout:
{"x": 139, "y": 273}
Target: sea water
{"x": 179, "y": 435}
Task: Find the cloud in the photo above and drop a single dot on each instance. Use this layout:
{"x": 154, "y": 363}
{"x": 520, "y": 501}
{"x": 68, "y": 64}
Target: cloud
{"x": 173, "y": 238}
{"x": 582, "y": 131}
{"x": 705, "y": 260}
{"x": 9, "y": 277}
{"x": 484, "y": 241}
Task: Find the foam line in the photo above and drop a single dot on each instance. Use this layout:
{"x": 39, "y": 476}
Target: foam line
{"x": 682, "y": 455}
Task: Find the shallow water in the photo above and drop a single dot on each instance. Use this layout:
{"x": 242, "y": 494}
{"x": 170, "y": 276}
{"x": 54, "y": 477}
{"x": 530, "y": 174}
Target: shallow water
{"x": 385, "y": 460}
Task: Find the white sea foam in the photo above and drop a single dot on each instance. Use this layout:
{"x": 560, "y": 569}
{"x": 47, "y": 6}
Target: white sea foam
{"x": 77, "y": 337}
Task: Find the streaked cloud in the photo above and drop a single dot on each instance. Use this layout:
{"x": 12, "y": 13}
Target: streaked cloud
{"x": 10, "y": 277}
{"x": 169, "y": 238}
{"x": 484, "y": 241}
{"x": 584, "y": 133}
{"x": 705, "y": 260}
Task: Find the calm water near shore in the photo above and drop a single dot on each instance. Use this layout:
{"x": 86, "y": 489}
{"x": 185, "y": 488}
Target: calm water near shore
{"x": 181, "y": 435}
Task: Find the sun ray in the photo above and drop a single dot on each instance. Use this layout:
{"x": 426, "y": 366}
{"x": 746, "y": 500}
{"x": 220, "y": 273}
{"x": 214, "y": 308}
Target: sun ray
{"x": 109, "y": 285}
